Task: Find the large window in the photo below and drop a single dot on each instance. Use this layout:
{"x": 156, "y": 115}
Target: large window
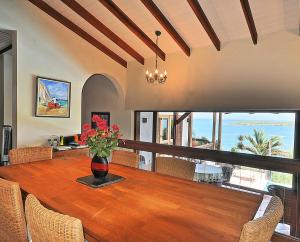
{"x": 266, "y": 134}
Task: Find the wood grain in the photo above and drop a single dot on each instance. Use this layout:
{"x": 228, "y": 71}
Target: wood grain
{"x": 257, "y": 161}
{"x": 160, "y": 17}
{"x": 77, "y": 30}
{"x": 144, "y": 207}
{"x": 76, "y": 7}
{"x": 250, "y": 21}
{"x": 195, "y": 5}
{"x": 118, "y": 13}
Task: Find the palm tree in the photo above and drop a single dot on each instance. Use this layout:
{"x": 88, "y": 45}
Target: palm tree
{"x": 259, "y": 144}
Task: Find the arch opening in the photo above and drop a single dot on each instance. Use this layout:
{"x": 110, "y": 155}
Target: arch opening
{"x": 102, "y": 94}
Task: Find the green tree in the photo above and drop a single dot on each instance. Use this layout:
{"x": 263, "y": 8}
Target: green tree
{"x": 259, "y": 144}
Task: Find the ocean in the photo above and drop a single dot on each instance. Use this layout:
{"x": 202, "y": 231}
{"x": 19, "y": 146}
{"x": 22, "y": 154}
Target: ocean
{"x": 231, "y": 129}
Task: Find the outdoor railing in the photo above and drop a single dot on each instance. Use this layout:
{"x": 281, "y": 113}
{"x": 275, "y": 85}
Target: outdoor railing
{"x": 288, "y": 195}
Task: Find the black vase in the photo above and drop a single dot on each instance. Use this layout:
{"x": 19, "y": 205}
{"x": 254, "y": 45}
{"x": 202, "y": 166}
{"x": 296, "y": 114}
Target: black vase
{"x": 99, "y": 166}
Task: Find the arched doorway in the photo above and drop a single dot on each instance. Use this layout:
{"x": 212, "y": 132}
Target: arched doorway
{"x": 101, "y": 94}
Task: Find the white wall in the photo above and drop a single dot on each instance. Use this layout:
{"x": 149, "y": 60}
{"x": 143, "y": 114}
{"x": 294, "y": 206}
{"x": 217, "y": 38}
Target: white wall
{"x": 100, "y": 95}
{"x": 240, "y": 76}
{"x": 46, "y": 48}
{"x": 146, "y": 130}
{"x": 8, "y": 71}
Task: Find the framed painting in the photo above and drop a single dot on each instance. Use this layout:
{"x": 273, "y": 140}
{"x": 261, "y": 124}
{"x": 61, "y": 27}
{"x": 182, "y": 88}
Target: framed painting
{"x": 103, "y": 115}
{"x": 52, "y": 98}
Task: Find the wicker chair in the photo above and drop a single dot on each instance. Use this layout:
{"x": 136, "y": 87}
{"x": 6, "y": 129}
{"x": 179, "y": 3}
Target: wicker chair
{"x": 12, "y": 219}
{"x": 262, "y": 229}
{"x": 125, "y": 158}
{"x": 45, "y": 225}
{"x": 30, "y": 154}
{"x": 288, "y": 198}
{"x": 175, "y": 167}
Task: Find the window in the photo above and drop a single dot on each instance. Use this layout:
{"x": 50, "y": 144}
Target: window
{"x": 267, "y": 134}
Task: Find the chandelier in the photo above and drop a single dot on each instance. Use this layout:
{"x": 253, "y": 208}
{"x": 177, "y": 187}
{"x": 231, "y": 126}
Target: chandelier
{"x": 156, "y": 76}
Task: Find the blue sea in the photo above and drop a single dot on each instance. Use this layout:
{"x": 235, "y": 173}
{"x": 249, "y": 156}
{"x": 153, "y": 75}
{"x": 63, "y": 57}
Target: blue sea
{"x": 231, "y": 129}
{"x": 63, "y": 103}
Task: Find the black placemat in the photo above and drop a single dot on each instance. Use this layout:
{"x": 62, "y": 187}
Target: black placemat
{"x": 91, "y": 181}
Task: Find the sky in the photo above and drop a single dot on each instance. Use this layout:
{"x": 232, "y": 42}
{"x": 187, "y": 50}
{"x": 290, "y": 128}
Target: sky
{"x": 288, "y": 117}
{"x": 57, "y": 89}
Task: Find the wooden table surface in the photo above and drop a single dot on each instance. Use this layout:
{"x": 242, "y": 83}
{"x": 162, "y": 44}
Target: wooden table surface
{"x": 144, "y": 207}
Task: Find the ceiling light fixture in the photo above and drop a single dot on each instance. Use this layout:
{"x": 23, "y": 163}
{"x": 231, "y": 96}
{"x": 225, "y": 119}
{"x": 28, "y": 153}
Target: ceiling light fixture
{"x": 156, "y": 77}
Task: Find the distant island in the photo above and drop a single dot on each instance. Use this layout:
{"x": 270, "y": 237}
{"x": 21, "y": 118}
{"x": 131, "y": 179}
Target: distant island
{"x": 260, "y": 123}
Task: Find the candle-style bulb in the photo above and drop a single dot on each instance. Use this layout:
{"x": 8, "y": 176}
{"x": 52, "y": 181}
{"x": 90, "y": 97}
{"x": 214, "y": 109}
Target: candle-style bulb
{"x": 147, "y": 72}
{"x": 156, "y": 71}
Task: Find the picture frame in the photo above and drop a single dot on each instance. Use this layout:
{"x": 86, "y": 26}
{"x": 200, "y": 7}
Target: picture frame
{"x": 53, "y": 98}
{"x": 103, "y": 115}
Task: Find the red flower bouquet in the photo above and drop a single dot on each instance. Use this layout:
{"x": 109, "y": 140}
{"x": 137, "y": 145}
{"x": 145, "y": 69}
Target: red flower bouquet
{"x": 101, "y": 140}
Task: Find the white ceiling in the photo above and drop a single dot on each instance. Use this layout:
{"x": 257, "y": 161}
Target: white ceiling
{"x": 5, "y": 39}
{"x": 226, "y": 17}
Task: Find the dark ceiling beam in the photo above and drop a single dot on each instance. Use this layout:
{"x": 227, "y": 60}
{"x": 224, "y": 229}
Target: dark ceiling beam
{"x": 81, "y": 11}
{"x": 205, "y": 22}
{"x": 7, "y": 48}
{"x": 250, "y": 20}
{"x": 160, "y": 17}
{"x": 115, "y": 10}
{"x": 182, "y": 117}
{"x": 77, "y": 30}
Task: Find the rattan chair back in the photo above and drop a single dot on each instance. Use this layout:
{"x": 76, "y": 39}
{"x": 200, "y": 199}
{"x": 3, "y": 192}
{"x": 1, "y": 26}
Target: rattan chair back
{"x": 126, "y": 158}
{"x": 12, "y": 219}
{"x": 45, "y": 225}
{"x": 29, "y": 154}
{"x": 175, "y": 167}
{"x": 262, "y": 229}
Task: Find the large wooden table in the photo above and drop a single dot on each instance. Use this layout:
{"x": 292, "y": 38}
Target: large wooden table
{"x": 144, "y": 207}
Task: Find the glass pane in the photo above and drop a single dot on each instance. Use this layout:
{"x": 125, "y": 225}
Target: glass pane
{"x": 165, "y": 127}
{"x": 268, "y": 134}
{"x": 202, "y": 130}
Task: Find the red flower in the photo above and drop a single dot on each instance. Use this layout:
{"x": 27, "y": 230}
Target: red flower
{"x": 96, "y": 118}
{"x": 115, "y": 127}
{"x": 102, "y": 124}
{"x": 83, "y": 137}
{"x": 86, "y": 127}
{"x": 91, "y": 133}
{"x": 81, "y": 142}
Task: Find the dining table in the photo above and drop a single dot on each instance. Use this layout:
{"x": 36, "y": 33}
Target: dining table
{"x": 145, "y": 206}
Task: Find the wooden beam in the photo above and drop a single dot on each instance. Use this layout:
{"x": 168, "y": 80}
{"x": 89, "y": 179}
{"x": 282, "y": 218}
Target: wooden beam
{"x": 115, "y": 10}
{"x": 256, "y": 161}
{"x": 160, "y": 17}
{"x": 213, "y": 139}
{"x": 250, "y": 20}
{"x": 81, "y": 11}
{"x": 77, "y": 30}
{"x": 5, "y": 49}
{"x": 137, "y": 125}
{"x": 174, "y": 127}
{"x": 205, "y": 23}
{"x": 154, "y": 134}
{"x": 190, "y": 130}
{"x": 182, "y": 117}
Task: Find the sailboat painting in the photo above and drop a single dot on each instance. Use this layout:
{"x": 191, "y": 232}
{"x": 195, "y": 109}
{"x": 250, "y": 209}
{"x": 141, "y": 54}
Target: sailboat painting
{"x": 53, "y": 98}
